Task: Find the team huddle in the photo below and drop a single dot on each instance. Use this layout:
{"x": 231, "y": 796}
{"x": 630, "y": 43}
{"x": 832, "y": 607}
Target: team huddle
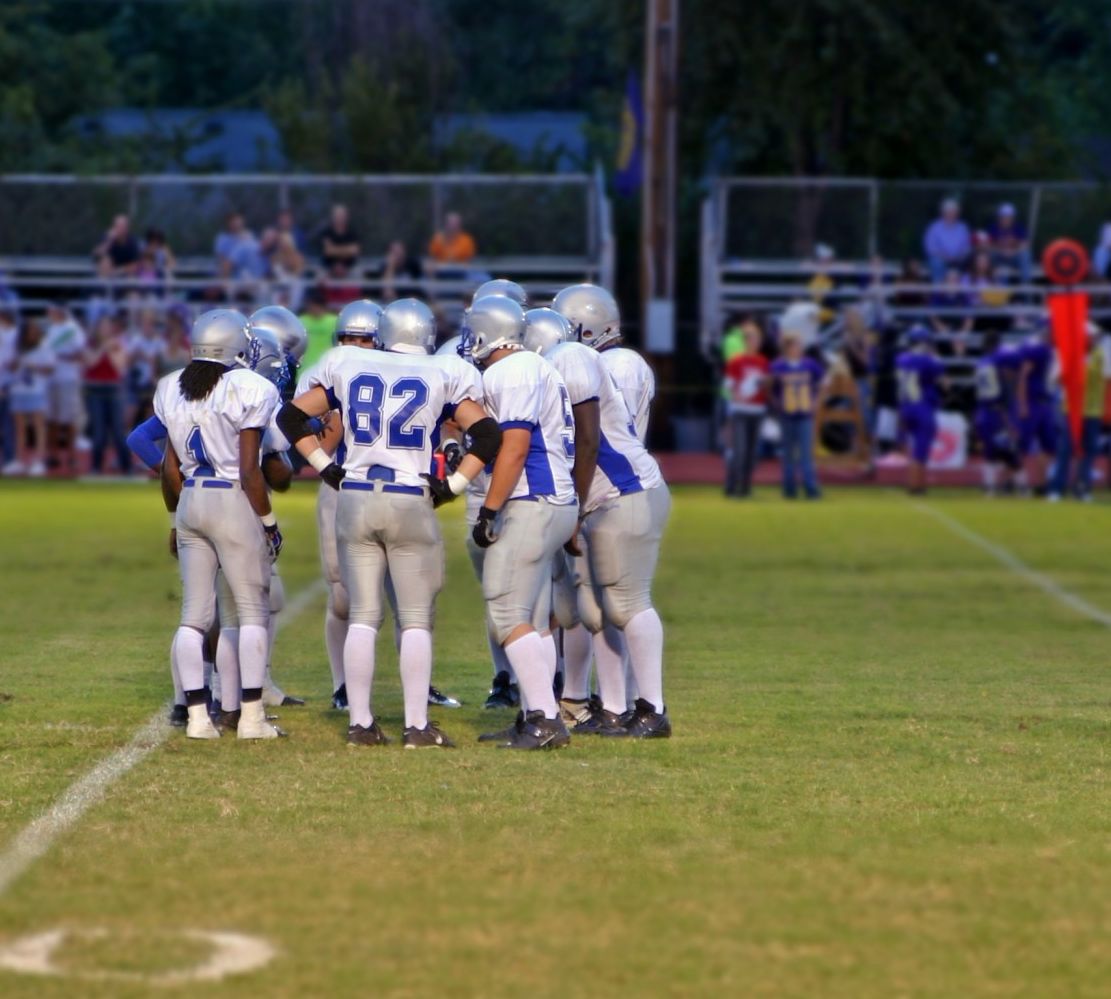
{"x": 535, "y": 416}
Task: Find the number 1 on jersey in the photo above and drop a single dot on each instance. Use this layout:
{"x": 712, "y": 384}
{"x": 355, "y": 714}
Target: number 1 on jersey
{"x": 194, "y": 446}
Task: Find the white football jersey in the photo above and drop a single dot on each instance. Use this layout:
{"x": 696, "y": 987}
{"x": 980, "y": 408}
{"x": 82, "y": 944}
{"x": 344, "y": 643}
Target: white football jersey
{"x": 635, "y": 381}
{"x": 523, "y": 391}
{"x": 205, "y": 432}
{"x": 624, "y": 466}
{"x": 392, "y": 404}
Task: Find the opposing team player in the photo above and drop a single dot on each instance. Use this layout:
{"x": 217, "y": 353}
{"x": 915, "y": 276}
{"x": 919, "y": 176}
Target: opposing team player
{"x": 529, "y": 511}
{"x": 392, "y": 402}
{"x": 215, "y": 412}
{"x": 920, "y": 378}
{"x": 623, "y": 517}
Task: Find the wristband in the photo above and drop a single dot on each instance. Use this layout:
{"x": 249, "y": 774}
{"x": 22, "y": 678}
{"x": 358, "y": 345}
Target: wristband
{"x": 173, "y": 519}
{"x": 269, "y": 520}
{"x": 319, "y": 459}
{"x": 457, "y": 482}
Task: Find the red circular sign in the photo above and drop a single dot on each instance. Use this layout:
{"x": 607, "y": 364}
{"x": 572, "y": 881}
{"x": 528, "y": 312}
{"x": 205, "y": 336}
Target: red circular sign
{"x": 1065, "y": 261}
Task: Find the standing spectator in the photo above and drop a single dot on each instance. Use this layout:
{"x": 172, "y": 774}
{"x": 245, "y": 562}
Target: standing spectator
{"x": 177, "y": 353}
{"x": 9, "y": 340}
{"x": 144, "y": 350}
{"x": 117, "y": 255}
{"x": 821, "y": 283}
{"x": 66, "y": 339}
{"x": 237, "y": 251}
{"x": 795, "y": 382}
{"x": 320, "y": 324}
{"x": 1101, "y": 255}
{"x": 947, "y": 242}
{"x": 860, "y": 359}
{"x": 339, "y": 243}
{"x": 105, "y": 365}
{"x": 401, "y": 273}
{"x": 452, "y": 244}
{"x": 1095, "y": 387}
{"x": 29, "y": 399}
{"x": 1008, "y": 242}
{"x": 746, "y": 376}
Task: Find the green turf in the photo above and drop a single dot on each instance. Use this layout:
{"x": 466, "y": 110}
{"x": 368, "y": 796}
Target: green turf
{"x": 889, "y": 774}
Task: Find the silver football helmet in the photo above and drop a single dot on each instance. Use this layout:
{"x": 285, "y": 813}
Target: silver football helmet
{"x": 491, "y": 323}
{"x": 503, "y": 287}
{"x": 269, "y": 358}
{"x": 289, "y": 330}
{"x": 359, "y": 320}
{"x": 592, "y": 312}
{"x": 406, "y": 324}
{"x": 222, "y": 335}
{"x": 544, "y": 328}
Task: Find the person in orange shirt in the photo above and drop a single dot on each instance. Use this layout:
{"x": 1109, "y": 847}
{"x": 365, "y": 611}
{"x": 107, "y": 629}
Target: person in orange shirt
{"x": 452, "y": 244}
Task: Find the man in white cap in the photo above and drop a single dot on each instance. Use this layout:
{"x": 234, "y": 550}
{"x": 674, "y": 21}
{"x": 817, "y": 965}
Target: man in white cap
{"x": 1009, "y": 243}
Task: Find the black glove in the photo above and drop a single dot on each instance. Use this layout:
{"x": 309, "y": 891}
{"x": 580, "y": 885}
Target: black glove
{"x": 273, "y": 541}
{"x": 333, "y": 474}
{"x": 439, "y": 490}
{"x": 483, "y": 533}
{"x": 453, "y": 455}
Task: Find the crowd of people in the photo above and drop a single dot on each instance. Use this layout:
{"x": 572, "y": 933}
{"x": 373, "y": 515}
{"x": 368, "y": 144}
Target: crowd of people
{"x": 79, "y": 378}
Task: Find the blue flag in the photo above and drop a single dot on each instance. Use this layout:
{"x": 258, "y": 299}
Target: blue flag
{"x": 628, "y": 177}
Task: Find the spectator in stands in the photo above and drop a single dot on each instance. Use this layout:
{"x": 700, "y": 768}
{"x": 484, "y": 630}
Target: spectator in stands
{"x": 145, "y": 345}
{"x": 795, "y": 383}
{"x": 9, "y": 339}
{"x": 66, "y": 339}
{"x": 859, "y": 350}
{"x": 746, "y": 376}
{"x": 320, "y": 324}
{"x": 105, "y": 367}
{"x": 339, "y": 243}
{"x": 1095, "y": 388}
{"x": 1101, "y": 255}
{"x": 237, "y": 251}
{"x": 948, "y": 242}
{"x": 452, "y": 244}
{"x": 288, "y": 266}
{"x": 985, "y": 277}
{"x": 955, "y": 323}
{"x": 1008, "y": 242}
{"x": 117, "y": 255}
{"x": 157, "y": 251}
{"x": 821, "y": 283}
{"x": 29, "y": 400}
{"x": 176, "y": 353}
{"x": 402, "y": 273}
{"x": 287, "y": 227}
{"x": 907, "y": 294}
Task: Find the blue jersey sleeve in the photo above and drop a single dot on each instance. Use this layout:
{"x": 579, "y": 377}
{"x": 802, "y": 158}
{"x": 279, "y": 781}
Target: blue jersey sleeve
{"x": 147, "y": 441}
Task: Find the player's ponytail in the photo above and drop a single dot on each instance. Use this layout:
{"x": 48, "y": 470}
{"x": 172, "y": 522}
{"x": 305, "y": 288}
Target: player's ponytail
{"x": 199, "y": 378}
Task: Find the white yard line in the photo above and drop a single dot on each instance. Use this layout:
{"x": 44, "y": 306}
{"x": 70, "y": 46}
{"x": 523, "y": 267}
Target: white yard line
{"x": 37, "y": 838}
{"x": 1012, "y": 562}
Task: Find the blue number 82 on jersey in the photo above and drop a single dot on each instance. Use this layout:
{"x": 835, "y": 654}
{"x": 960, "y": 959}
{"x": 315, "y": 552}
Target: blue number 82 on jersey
{"x": 366, "y": 399}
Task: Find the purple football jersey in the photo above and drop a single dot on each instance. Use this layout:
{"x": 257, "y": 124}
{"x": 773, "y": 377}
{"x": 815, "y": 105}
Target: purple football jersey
{"x": 918, "y": 376}
{"x": 796, "y": 385}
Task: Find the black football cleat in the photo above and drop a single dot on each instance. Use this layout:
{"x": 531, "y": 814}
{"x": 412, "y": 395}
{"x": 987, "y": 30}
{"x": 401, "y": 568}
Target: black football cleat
{"x": 603, "y": 722}
{"x": 503, "y": 694}
{"x": 646, "y": 722}
{"x": 505, "y": 734}
{"x": 339, "y": 698}
{"x": 429, "y": 737}
{"x": 439, "y": 699}
{"x": 228, "y": 721}
{"x": 538, "y": 732}
{"x": 179, "y": 716}
{"x": 361, "y": 735}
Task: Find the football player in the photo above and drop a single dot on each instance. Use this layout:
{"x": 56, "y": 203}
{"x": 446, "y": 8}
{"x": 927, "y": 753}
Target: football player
{"x": 992, "y": 422}
{"x": 215, "y": 411}
{"x": 392, "y": 402}
{"x": 1036, "y": 411}
{"x": 622, "y": 521}
{"x": 920, "y": 378}
{"x": 529, "y": 511}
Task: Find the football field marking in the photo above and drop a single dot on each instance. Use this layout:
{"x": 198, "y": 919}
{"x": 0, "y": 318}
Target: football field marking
{"x": 1012, "y": 562}
{"x": 38, "y": 837}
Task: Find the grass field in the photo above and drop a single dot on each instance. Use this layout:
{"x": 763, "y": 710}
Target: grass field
{"x": 889, "y": 776}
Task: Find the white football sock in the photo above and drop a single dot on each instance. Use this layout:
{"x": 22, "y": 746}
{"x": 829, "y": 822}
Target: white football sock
{"x": 227, "y": 663}
{"x": 529, "y": 663}
{"x": 252, "y": 655}
{"x": 358, "y": 670}
{"x": 551, "y": 655}
{"x": 609, "y": 665}
{"x": 190, "y": 658}
{"x": 175, "y": 674}
{"x": 645, "y": 635}
{"x": 415, "y": 660}
{"x": 576, "y": 663}
{"x": 335, "y": 634}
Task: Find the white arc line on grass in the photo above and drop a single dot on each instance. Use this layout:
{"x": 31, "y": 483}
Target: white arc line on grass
{"x": 37, "y": 838}
{"x": 1018, "y": 567}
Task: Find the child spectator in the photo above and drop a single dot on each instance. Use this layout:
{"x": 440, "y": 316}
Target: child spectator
{"x": 66, "y": 339}
{"x": 746, "y": 376}
{"x": 29, "y": 399}
{"x": 795, "y": 381}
